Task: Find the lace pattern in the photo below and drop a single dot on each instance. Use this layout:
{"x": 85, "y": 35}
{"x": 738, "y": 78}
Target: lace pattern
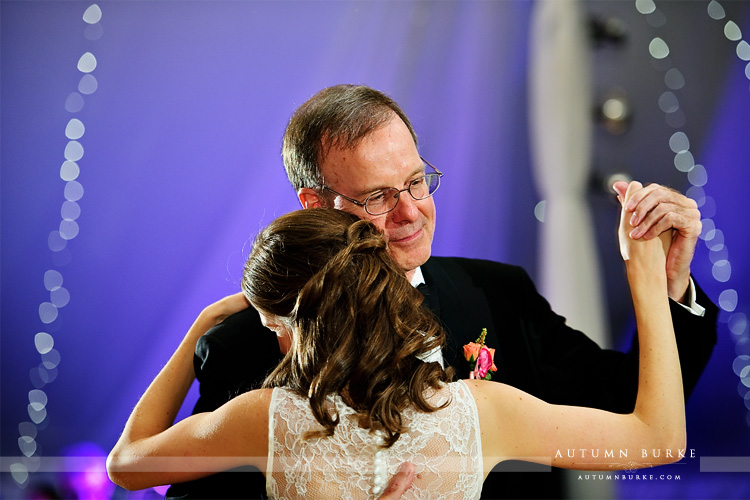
{"x": 444, "y": 446}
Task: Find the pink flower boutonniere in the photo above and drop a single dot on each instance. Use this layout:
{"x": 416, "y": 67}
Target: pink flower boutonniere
{"x": 481, "y": 358}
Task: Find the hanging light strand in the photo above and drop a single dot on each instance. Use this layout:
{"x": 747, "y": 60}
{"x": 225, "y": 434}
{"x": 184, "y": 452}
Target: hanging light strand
{"x": 57, "y": 241}
{"x": 697, "y": 176}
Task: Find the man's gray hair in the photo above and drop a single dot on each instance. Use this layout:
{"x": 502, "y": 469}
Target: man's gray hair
{"x": 339, "y": 116}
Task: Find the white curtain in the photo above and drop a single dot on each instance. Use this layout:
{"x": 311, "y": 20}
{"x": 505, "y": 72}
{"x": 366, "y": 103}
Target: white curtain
{"x": 561, "y": 121}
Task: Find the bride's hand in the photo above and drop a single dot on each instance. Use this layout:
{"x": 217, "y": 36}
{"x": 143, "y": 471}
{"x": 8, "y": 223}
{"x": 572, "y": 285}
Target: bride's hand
{"x": 223, "y": 308}
{"x": 652, "y": 251}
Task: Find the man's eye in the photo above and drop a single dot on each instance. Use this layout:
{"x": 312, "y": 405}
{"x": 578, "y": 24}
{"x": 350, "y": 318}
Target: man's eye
{"x": 417, "y": 182}
{"x": 376, "y": 197}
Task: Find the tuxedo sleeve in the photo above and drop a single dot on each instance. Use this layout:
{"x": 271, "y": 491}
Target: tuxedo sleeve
{"x": 230, "y": 359}
{"x": 233, "y": 357}
{"x": 576, "y": 371}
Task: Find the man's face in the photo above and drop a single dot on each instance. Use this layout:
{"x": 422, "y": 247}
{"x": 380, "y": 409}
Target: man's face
{"x": 386, "y": 158}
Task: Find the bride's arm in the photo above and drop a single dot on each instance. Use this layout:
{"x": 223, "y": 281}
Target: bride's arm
{"x": 151, "y": 451}
{"x": 516, "y": 425}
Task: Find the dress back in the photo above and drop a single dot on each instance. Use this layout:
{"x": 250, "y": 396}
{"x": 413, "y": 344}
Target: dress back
{"x": 444, "y": 446}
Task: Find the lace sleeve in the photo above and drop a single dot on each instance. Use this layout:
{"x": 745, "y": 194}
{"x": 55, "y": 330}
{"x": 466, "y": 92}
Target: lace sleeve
{"x": 270, "y": 484}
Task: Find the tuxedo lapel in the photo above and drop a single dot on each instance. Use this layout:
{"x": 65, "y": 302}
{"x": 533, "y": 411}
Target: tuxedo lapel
{"x": 461, "y": 307}
{"x": 431, "y": 299}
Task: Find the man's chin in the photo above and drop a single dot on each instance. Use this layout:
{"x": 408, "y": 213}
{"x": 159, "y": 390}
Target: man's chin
{"x": 409, "y": 261}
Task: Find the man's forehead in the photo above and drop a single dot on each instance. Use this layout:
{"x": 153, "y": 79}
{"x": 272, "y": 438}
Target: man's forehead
{"x": 386, "y": 157}
{"x": 371, "y": 178}
{"x": 346, "y": 139}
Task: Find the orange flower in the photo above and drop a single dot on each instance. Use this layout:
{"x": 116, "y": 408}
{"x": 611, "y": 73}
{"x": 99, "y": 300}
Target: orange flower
{"x": 471, "y": 351}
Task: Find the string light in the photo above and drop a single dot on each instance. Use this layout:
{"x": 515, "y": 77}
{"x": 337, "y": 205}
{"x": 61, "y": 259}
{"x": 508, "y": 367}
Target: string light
{"x": 719, "y": 254}
{"x": 57, "y": 241}
{"x": 697, "y": 176}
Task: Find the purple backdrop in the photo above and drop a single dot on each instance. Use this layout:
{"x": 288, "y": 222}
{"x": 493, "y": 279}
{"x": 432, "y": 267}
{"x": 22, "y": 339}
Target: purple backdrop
{"x": 179, "y": 166}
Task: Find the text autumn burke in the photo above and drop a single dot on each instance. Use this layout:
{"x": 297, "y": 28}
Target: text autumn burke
{"x": 595, "y": 453}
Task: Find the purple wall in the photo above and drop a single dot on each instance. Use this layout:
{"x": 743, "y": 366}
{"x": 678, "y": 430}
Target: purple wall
{"x": 181, "y": 167}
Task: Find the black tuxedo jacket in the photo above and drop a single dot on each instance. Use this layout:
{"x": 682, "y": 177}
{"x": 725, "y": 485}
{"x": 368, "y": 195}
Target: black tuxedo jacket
{"x": 534, "y": 351}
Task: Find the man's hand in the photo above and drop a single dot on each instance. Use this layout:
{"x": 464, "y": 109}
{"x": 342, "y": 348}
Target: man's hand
{"x": 643, "y": 248}
{"x": 399, "y": 483}
{"x": 656, "y": 209}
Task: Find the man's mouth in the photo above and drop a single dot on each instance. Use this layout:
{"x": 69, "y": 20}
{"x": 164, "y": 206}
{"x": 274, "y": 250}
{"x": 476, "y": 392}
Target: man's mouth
{"x": 408, "y": 238}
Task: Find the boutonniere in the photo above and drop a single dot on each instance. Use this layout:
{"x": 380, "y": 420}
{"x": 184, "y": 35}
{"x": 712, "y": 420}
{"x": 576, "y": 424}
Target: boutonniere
{"x": 481, "y": 358}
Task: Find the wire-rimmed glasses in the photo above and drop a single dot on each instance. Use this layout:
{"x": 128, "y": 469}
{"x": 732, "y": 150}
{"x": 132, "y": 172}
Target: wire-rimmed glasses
{"x": 383, "y": 201}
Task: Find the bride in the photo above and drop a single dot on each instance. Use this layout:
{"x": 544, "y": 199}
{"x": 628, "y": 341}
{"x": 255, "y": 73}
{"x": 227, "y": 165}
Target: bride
{"x": 352, "y": 400}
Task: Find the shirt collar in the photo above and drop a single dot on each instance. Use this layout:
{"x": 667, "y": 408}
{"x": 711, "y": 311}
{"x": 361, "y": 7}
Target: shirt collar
{"x": 417, "y": 278}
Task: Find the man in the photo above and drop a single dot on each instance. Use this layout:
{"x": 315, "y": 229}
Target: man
{"x": 353, "y": 148}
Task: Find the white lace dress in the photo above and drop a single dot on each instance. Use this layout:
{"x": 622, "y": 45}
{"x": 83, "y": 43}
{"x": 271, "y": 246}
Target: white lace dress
{"x": 445, "y": 447}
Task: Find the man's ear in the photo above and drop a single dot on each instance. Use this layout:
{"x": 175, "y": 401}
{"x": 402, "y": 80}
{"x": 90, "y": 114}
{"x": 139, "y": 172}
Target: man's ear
{"x": 310, "y": 198}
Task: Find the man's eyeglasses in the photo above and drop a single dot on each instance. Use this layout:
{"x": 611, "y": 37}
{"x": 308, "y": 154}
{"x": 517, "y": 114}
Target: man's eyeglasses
{"x": 383, "y": 201}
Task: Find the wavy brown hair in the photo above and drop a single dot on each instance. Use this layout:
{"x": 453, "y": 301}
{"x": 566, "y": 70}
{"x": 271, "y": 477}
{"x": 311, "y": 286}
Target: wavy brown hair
{"x": 359, "y": 325}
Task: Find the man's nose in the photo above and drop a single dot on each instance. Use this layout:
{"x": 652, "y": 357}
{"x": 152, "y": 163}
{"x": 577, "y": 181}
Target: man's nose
{"x": 406, "y": 209}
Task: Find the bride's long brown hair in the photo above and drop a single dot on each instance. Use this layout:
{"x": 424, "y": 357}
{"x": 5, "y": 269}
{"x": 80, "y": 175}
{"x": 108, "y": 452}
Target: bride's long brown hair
{"x": 359, "y": 327}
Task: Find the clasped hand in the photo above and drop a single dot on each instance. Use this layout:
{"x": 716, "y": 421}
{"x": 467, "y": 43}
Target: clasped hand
{"x": 652, "y": 253}
{"x": 653, "y": 211}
